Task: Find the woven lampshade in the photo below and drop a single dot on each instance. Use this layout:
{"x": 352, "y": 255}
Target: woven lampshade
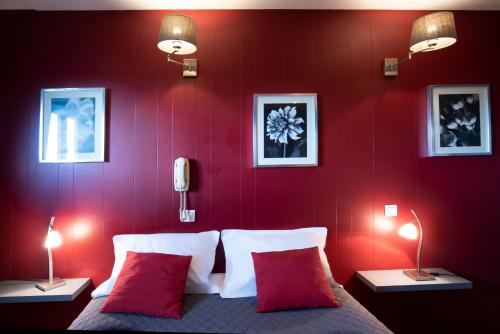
{"x": 432, "y": 32}
{"x": 177, "y": 32}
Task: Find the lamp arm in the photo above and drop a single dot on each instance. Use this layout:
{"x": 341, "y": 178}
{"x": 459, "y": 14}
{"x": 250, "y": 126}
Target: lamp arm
{"x": 173, "y": 61}
{"x": 421, "y": 239}
{"x": 184, "y": 66}
{"x": 410, "y": 54}
{"x": 400, "y": 61}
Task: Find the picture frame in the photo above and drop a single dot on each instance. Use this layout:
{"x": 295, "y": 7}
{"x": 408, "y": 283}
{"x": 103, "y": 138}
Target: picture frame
{"x": 285, "y": 130}
{"x": 459, "y": 120}
{"x": 72, "y": 125}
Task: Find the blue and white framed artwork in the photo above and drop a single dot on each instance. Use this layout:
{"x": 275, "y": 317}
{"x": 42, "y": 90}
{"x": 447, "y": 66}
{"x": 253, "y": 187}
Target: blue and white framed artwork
{"x": 72, "y": 123}
{"x": 285, "y": 130}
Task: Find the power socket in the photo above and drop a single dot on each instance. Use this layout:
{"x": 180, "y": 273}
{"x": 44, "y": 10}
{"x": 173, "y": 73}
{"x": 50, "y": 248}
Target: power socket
{"x": 391, "y": 210}
{"x": 187, "y": 216}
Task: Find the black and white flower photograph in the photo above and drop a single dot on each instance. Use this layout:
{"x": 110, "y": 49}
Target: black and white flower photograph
{"x": 460, "y": 120}
{"x": 285, "y": 130}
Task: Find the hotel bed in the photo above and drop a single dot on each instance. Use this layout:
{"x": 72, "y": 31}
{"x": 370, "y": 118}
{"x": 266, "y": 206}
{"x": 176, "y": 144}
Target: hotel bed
{"x": 209, "y": 313}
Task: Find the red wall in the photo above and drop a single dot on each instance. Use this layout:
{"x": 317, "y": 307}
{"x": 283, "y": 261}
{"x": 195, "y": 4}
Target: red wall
{"x": 369, "y": 133}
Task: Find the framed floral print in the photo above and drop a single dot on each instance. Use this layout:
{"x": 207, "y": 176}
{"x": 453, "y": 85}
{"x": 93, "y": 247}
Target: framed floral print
{"x": 285, "y": 130}
{"x": 72, "y": 125}
{"x": 459, "y": 120}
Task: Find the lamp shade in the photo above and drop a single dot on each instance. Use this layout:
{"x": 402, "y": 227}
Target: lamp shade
{"x": 408, "y": 231}
{"x": 177, "y": 33}
{"x": 432, "y": 32}
{"x": 53, "y": 239}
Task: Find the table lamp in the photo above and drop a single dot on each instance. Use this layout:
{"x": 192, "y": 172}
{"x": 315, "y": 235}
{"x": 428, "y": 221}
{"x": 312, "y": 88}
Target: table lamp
{"x": 409, "y": 231}
{"x": 53, "y": 240}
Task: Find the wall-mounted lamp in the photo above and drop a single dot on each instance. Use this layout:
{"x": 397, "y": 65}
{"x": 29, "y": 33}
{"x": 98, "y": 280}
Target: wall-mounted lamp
{"x": 178, "y": 37}
{"x": 53, "y": 240}
{"x": 429, "y": 33}
{"x": 409, "y": 231}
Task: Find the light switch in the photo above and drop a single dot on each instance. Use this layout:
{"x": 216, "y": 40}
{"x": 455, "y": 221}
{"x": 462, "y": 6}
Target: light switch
{"x": 391, "y": 210}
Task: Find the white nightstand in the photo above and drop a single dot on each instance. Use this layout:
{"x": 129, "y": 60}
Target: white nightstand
{"x": 395, "y": 280}
{"x": 25, "y": 291}
{"x": 408, "y": 306}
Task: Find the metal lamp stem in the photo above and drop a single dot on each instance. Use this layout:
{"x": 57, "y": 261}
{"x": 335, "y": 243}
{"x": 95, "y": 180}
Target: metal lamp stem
{"x": 421, "y": 239}
{"x": 49, "y": 251}
{"x": 418, "y": 274}
{"x": 52, "y": 282}
{"x": 51, "y": 270}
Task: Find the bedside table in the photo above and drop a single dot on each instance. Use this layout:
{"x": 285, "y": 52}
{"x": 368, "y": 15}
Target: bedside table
{"x": 26, "y": 292}
{"x": 23, "y": 306}
{"x": 395, "y": 280}
{"x": 408, "y": 306}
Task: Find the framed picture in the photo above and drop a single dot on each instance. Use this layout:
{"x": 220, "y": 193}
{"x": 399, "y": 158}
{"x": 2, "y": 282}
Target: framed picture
{"x": 285, "y": 130}
{"x": 72, "y": 125}
{"x": 459, "y": 121}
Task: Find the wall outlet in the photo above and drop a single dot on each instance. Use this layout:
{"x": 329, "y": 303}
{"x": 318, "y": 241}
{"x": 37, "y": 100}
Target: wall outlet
{"x": 187, "y": 216}
{"x": 391, "y": 210}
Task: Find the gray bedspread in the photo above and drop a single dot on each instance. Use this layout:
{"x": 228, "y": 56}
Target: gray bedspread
{"x": 213, "y": 314}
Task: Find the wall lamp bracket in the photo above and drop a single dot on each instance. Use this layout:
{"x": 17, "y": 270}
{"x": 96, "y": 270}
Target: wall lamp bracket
{"x": 189, "y": 66}
{"x": 391, "y": 65}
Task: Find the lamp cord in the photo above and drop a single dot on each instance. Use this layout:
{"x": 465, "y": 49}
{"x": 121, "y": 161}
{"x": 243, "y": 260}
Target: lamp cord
{"x": 441, "y": 274}
{"x": 23, "y": 282}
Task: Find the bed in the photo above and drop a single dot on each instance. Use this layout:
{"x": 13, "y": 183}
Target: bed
{"x": 209, "y": 313}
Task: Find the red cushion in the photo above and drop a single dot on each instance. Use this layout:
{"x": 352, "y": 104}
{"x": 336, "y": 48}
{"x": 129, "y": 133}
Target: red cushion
{"x": 151, "y": 284}
{"x": 291, "y": 279}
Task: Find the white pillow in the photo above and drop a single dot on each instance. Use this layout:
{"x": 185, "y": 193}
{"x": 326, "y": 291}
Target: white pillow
{"x": 217, "y": 279}
{"x": 238, "y": 245}
{"x": 200, "y": 245}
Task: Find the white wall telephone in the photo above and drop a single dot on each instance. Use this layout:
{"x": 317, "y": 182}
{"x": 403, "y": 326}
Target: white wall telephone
{"x": 181, "y": 184}
{"x": 181, "y": 174}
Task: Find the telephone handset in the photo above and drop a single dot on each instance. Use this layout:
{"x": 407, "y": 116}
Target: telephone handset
{"x": 181, "y": 184}
{"x": 181, "y": 174}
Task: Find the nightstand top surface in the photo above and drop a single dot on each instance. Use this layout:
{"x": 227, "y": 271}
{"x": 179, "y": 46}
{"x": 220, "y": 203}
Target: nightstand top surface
{"x": 26, "y": 292}
{"x": 395, "y": 280}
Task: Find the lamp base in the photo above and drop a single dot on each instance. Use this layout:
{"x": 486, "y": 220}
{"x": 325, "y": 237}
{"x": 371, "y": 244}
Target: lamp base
{"x": 418, "y": 275}
{"x": 46, "y": 285}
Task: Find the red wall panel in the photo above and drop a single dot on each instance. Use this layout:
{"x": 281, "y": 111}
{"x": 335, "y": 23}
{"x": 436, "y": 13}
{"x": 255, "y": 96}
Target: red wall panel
{"x": 370, "y": 130}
